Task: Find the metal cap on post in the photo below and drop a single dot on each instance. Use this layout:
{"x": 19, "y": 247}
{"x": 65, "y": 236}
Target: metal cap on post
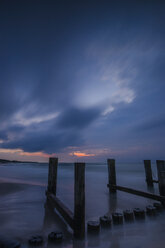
{"x": 111, "y": 174}
{"x": 52, "y": 175}
{"x": 79, "y": 200}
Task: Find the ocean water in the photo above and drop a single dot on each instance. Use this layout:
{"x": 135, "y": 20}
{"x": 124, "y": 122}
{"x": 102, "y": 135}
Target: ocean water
{"x": 22, "y": 199}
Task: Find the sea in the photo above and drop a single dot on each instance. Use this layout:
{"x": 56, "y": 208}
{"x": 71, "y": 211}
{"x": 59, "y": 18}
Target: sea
{"x": 23, "y": 212}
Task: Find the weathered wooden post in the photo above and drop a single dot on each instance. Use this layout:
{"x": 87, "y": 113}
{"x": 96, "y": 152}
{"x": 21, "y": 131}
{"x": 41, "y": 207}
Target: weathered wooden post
{"x": 161, "y": 176}
{"x": 79, "y": 200}
{"x": 52, "y": 175}
{"x": 111, "y": 174}
{"x": 148, "y": 172}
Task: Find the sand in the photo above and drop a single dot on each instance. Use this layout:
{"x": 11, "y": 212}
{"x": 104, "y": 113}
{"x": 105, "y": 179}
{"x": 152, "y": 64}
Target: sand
{"x": 10, "y": 188}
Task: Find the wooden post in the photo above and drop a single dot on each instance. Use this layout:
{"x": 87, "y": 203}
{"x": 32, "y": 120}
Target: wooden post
{"x": 148, "y": 172}
{"x": 52, "y": 175}
{"x": 79, "y": 200}
{"x": 161, "y": 176}
{"x": 111, "y": 174}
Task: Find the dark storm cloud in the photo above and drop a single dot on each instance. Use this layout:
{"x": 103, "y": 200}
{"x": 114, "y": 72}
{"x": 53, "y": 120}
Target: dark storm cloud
{"x": 78, "y": 118}
{"x": 50, "y": 141}
{"x": 50, "y": 136}
{"x": 3, "y": 136}
{"x": 68, "y": 58}
{"x": 150, "y": 125}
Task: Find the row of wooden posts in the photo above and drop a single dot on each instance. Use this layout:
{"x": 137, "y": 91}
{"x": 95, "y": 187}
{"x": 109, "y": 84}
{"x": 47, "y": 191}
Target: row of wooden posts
{"x": 148, "y": 172}
{"x": 76, "y": 220}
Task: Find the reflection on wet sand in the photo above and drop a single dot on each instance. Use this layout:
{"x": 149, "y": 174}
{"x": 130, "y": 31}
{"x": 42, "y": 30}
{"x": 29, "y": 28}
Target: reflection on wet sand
{"x": 54, "y": 222}
{"x": 112, "y": 202}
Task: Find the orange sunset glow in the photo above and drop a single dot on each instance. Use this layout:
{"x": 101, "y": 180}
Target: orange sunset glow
{"x": 22, "y": 153}
{"x": 81, "y": 154}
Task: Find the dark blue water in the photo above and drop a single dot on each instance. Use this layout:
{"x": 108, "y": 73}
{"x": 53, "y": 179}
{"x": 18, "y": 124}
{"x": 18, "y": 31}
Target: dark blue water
{"x": 22, "y": 198}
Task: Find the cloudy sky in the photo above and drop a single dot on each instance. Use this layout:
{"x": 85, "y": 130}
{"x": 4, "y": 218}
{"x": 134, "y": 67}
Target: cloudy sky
{"x": 82, "y": 80}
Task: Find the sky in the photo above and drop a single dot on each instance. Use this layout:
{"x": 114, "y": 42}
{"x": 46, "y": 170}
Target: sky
{"x": 82, "y": 80}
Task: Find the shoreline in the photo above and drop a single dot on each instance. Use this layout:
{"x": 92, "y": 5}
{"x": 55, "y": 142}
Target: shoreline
{"x": 6, "y": 161}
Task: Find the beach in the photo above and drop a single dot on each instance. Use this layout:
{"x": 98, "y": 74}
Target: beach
{"x": 23, "y": 212}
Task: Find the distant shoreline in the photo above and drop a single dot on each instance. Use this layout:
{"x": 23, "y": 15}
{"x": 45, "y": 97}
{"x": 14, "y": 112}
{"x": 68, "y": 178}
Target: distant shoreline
{"x": 5, "y": 161}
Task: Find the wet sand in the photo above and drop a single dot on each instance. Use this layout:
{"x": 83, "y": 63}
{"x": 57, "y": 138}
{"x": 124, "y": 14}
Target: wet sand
{"x": 10, "y": 188}
{"x": 141, "y": 233}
